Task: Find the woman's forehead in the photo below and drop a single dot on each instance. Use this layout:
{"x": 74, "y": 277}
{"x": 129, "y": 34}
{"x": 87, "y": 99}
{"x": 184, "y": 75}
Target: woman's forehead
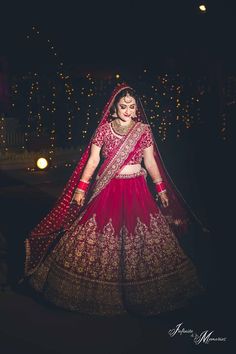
{"x": 124, "y": 101}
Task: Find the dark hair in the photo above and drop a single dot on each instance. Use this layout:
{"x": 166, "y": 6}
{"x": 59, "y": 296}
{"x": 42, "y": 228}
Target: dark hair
{"x": 122, "y": 94}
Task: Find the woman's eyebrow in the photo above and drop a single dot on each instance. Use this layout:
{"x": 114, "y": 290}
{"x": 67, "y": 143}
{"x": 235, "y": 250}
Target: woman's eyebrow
{"x": 125, "y": 105}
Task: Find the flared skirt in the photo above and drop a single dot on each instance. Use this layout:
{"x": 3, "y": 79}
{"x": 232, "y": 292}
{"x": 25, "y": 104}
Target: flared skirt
{"x": 120, "y": 255}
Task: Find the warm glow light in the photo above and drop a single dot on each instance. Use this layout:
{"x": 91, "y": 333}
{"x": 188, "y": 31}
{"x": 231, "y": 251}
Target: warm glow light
{"x": 42, "y": 163}
{"x": 202, "y": 8}
{"x": 117, "y": 76}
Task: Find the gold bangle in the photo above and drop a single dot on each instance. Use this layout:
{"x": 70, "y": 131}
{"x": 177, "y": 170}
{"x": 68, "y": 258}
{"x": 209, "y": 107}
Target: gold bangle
{"x": 164, "y": 190}
{"x": 79, "y": 191}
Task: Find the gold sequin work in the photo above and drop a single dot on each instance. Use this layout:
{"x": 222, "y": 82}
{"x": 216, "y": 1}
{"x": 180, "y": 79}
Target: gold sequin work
{"x": 105, "y": 272}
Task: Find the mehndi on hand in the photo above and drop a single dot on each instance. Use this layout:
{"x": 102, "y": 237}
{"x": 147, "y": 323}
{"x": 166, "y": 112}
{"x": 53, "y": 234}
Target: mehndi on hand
{"x": 164, "y": 199}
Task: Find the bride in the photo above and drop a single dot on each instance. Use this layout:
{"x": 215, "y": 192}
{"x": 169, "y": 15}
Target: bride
{"x": 107, "y": 247}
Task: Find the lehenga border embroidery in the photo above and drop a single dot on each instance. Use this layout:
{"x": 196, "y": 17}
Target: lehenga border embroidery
{"x": 186, "y": 264}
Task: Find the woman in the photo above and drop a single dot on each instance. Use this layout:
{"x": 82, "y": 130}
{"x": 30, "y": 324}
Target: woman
{"x": 107, "y": 248}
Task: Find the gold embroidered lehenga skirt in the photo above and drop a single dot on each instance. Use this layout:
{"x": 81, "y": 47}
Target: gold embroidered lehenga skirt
{"x": 120, "y": 255}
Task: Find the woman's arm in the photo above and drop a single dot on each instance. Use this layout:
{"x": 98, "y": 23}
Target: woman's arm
{"x": 152, "y": 168}
{"x": 88, "y": 172}
{"x": 150, "y": 163}
{"x": 92, "y": 163}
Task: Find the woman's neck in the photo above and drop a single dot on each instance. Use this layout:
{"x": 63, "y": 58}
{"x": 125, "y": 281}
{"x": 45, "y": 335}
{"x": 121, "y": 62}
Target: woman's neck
{"x": 123, "y": 123}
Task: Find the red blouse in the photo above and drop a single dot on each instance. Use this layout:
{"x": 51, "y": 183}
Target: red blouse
{"x": 107, "y": 140}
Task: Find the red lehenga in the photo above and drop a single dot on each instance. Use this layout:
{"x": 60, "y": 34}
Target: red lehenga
{"x": 119, "y": 253}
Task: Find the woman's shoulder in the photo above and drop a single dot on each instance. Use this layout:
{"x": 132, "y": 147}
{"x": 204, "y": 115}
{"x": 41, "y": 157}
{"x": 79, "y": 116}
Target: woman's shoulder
{"x": 147, "y": 138}
{"x": 105, "y": 126}
{"x": 144, "y": 124}
{"x": 146, "y": 127}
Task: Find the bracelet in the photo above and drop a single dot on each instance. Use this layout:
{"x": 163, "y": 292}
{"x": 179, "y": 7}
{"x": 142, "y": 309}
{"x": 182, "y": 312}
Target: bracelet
{"x": 77, "y": 191}
{"x": 160, "y": 187}
{"x": 164, "y": 190}
{"x": 82, "y": 186}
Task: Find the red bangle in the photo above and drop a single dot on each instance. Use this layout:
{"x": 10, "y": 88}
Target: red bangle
{"x": 83, "y": 185}
{"x": 160, "y": 187}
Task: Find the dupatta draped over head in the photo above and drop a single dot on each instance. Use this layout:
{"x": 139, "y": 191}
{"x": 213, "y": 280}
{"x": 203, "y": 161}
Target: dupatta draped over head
{"x": 42, "y": 238}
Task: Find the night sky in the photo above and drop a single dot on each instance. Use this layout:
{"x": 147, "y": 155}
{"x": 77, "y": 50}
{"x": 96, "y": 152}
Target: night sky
{"x": 118, "y": 35}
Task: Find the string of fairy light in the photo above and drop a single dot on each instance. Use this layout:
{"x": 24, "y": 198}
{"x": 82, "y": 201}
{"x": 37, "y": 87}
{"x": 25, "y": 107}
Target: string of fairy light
{"x": 72, "y": 104}
{"x": 163, "y": 104}
{"x": 90, "y": 93}
{"x": 229, "y": 105}
{"x": 2, "y": 134}
{"x": 163, "y": 124}
{"x": 69, "y": 90}
{"x": 167, "y": 106}
{"x": 28, "y": 128}
{"x": 166, "y": 101}
{"x": 52, "y": 110}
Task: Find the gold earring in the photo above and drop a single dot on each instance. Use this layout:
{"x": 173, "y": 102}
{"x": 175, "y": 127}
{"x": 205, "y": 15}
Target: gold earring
{"x": 114, "y": 115}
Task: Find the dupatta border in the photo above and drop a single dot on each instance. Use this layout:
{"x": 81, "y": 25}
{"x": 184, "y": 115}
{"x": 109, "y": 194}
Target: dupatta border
{"x": 119, "y": 158}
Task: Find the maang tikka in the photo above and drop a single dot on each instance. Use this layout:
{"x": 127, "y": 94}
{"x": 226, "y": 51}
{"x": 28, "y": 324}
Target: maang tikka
{"x": 128, "y": 98}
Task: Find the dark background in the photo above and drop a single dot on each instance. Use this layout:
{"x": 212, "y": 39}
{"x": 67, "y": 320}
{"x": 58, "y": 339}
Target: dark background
{"x": 104, "y": 37}
{"x": 128, "y": 34}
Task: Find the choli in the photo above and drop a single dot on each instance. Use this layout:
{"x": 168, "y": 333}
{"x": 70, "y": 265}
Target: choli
{"x": 105, "y": 138}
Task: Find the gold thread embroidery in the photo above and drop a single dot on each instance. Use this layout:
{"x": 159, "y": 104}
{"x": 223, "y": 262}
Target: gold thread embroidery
{"x": 89, "y": 267}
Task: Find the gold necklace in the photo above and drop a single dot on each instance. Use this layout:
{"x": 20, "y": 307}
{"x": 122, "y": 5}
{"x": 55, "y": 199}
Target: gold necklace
{"x": 119, "y": 129}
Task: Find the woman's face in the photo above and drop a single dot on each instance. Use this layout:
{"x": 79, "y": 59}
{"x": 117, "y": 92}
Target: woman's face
{"x": 126, "y": 108}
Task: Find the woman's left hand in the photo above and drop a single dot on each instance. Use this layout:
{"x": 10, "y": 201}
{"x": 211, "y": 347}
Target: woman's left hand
{"x": 164, "y": 199}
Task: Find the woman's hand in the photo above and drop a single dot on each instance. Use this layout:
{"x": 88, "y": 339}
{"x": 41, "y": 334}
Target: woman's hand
{"x": 79, "y": 198}
{"x": 164, "y": 199}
